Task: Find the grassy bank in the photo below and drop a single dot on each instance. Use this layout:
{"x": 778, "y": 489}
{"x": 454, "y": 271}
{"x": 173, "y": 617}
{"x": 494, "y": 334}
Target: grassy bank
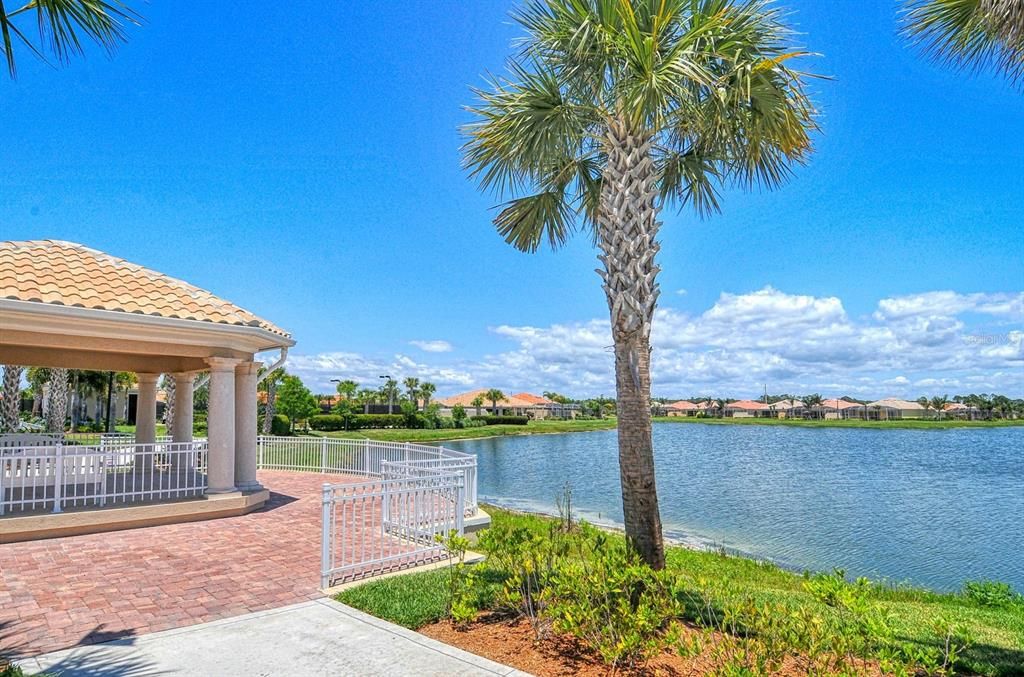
{"x": 444, "y": 434}
{"x": 996, "y": 629}
{"x": 915, "y": 424}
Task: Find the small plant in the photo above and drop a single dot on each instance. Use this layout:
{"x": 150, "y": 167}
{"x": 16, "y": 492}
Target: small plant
{"x": 991, "y": 594}
{"x": 462, "y": 604}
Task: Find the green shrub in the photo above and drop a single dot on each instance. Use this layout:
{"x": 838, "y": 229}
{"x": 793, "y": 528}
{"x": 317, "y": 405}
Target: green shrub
{"x": 612, "y": 601}
{"x": 379, "y": 420}
{"x": 279, "y": 425}
{"x": 502, "y": 420}
{"x": 471, "y": 423}
{"x": 327, "y": 422}
{"x": 991, "y": 593}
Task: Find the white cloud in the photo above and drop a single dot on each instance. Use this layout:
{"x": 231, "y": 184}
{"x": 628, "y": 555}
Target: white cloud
{"x": 681, "y": 292}
{"x": 934, "y": 343}
{"x": 436, "y": 346}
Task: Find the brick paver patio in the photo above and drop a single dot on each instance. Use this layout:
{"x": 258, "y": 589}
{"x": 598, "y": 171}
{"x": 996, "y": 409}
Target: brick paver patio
{"x": 61, "y": 592}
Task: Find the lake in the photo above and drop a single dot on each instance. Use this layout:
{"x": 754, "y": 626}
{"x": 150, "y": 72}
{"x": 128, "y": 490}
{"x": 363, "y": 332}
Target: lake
{"x": 929, "y": 507}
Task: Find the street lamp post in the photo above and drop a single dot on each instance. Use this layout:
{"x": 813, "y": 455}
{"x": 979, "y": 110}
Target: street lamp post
{"x": 391, "y": 393}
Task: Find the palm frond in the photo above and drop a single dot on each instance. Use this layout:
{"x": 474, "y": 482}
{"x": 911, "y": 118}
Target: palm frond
{"x": 63, "y": 24}
{"x": 970, "y": 34}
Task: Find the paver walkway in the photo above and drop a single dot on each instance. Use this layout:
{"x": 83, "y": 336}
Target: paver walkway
{"x": 62, "y": 592}
{"x": 312, "y": 638}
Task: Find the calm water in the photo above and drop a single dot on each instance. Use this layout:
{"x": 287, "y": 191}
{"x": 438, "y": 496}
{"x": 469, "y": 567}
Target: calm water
{"x": 933, "y": 508}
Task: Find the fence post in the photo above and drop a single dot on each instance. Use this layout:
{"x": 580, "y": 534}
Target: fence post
{"x": 259, "y": 452}
{"x": 323, "y": 454}
{"x": 58, "y": 478}
{"x": 460, "y": 508}
{"x": 366, "y": 456}
{"x": 326, "y": 545}
{"x": 406, "y": 452}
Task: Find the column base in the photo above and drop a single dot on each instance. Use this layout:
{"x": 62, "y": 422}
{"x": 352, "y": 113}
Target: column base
{"x": 250, "y": 486}
{"x": 223, "y": 490}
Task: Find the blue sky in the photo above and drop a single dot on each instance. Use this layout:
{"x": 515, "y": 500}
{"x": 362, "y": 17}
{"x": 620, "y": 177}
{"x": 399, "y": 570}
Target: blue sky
{"x": 303, "y": 161}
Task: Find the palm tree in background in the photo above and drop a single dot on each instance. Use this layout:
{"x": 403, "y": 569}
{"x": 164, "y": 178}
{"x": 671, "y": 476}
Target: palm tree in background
{"x": 412, "y": 386}
{"x": 347, "y": 388}
{"x": 61, "y": 26}
{"x": 427, "y": 390}
{"x": 57, "y": 412}
{"x": 477, "y": 402}
{"x": 366, "y": 397}
{"x": 269, "y": 386}
{"x": 938, "y": 403}
{"x": 37, "y": 380}
{"x": 613, "y": 111}
{"x": 970, "y": 34}
{"x": 169, "y": 387}
{"x": 10, "y": 405}
{"x": 494, "y": 396}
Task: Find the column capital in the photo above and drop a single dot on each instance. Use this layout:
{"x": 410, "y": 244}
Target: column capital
{"x": 146, "y": 377}
{"x": 222, "y": 363}
{"x": 184, "y": 375}
{"x": 248, "y": 367}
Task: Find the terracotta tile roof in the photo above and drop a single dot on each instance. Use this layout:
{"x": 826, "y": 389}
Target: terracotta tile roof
{"x": 747, "y": 405}
{"x": 532, "y": 399}
{"x": 896, "y": 403}
{"x": 466, "y": 400}
{"x": 69, "y": 274}
{"x": 782, "y": 405}
{"x": 838, "y": 404}
{"x": 683, "y": 405}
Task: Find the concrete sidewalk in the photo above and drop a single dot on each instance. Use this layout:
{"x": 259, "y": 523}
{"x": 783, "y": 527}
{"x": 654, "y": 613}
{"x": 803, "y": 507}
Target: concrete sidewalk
{"x": 321, "y": 637}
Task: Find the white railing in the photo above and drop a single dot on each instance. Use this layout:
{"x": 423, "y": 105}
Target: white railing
{"x": 389, "y": 524}
{"x": 364, "y": 458}
{"x": 105, "y": 439}
{"x": 59, "y": 476}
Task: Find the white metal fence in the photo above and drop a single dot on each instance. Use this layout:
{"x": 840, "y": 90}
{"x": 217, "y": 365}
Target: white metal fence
{"x": 388, "y": 524}
{"x": 364, "y": 458}
{"x": 414, "y": 494}
{"x": 57, "y": 476}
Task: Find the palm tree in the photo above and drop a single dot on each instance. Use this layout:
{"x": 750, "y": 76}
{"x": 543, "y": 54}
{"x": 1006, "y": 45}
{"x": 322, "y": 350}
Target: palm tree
{"x": 347, "y": 388}
{"x": 494, "y": 396}
{"x": 57, "y": 413}
{"x": 10, "y": 405}
{"x": 477, "y": 402}
{"x": 37, "y": 379}
{"x": 366, "y": 397}
{"x": 427, "y": 390}
{"x": 412, "y": 387}
{"x": 269, "y": 386}
{"x": 614, "y": 111}
{"x": 939, "y": 405}
{"x": 61, "y": 25}
{"x": 970, "y": 34}
{"x": 388, "y": 392}
{"x": 169, "y": 386}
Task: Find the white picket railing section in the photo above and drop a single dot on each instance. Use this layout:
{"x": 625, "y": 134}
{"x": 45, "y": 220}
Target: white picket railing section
{"x": 364, "y": 458}
{"x": 415, "y": 494}
{"x": 58, "y": 476}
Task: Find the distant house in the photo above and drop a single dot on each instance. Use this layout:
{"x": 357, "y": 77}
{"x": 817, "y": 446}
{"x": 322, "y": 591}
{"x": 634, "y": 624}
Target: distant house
{"x": 895, "y": 408}
{"x": 837, "y": 408}
{"x": 682, "y": 408}
{"x": 747, "y": 409}
{"x": 520, "y": 404}
{"x": 960, "y": 410}
{"x": 788, "y": 408}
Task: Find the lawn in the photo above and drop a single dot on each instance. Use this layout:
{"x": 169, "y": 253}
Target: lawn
{"x": 997, "y": 632}
{"x": 443, "y": 434}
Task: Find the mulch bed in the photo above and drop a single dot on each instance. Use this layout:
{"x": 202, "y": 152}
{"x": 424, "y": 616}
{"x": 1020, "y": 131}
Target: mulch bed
{"x": 512, "y": 642}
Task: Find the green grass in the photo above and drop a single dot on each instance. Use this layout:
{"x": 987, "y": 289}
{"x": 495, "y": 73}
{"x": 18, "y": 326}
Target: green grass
{"x": 921, "y": 424}
{"x": 414, "y": 600}
{"x": 443, "y": 434}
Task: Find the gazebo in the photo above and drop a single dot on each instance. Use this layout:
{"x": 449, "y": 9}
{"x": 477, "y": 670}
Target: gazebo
{"x": 63, "y": 305}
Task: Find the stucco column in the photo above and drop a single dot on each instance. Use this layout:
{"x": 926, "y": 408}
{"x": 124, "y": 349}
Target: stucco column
{"x": 220, "y": 465}
{"x": 183, "y": 403}
{"x": 145, "y": 419}
{"x": 245, "y": 426}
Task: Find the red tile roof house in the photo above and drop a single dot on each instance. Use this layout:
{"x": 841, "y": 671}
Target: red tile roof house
{"x": 520, "y": 404}
{"x": 683, "y": 408}
{"x": 836, "y": 408}
{"x": 748, "y": 409}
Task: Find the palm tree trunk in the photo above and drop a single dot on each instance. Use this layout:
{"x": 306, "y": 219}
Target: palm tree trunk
{"x": 58, "y": 410}
{"x": 169, "y": 386}
{"x": 11, "y": 404}
{"x": 627, "y": 235}
{"x": 271, "y": 407}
